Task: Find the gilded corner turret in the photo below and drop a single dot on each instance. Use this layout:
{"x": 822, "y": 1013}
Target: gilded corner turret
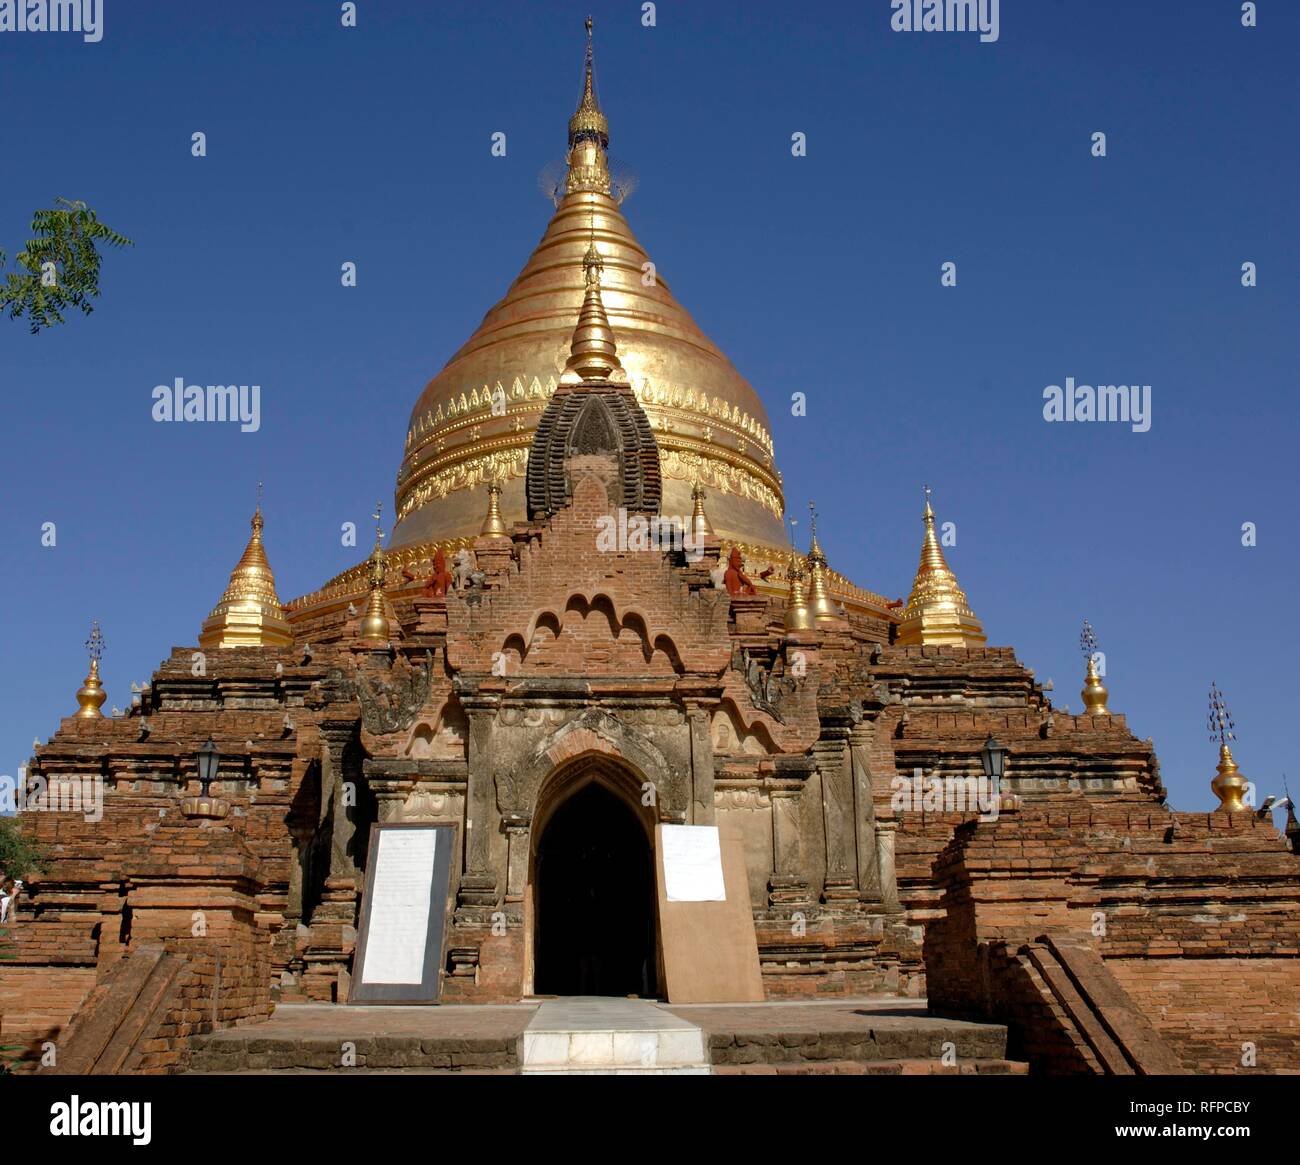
{"x": 375, "y": 627}
{"x": 821, "y": 607}
{"x": 937, "y": 612}
{"x": 91, "y": 694}
{"x": 797, "y": 615}
{"x": 249, "y": 613}
{"x": 1094, "y": 691}
{"x": 1228, "y": 784}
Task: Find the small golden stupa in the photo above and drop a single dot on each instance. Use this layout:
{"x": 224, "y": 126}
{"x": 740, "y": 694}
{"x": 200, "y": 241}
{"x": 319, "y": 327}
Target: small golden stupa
{"x": 937, "y": 611}
{"x": 797, "y": 615}
{"x": 701, "y": 527}
{"x": 375, "y": 627}
{"x": 494, "y": 525}
{"x": 1094, "y": 691}
{"x": 821, "y": 606}
{"x": 249, "y": 613}
{"x": 91, "y": 694}
{"x": 1228, "y": 784}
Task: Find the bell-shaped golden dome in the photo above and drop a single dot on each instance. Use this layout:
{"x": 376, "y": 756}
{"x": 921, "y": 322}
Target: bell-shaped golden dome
{"x": 475, "y": 421}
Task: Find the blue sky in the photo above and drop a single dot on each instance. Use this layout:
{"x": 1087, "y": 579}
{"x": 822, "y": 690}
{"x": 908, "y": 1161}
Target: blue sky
{"x": 817, "y": 274}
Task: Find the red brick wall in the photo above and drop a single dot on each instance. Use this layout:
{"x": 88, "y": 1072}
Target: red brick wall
{"x": 1208, "y": 1009}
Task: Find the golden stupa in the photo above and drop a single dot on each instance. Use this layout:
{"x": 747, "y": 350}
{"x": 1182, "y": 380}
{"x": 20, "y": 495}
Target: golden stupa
{"x": 937, "y": 611}
{"x": 249, "y": 613}
{"x": 708, "y": 421}
{"x": 474, "y": 422}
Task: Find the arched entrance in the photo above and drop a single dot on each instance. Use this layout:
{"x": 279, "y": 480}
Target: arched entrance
{"x": 594, "y": 898}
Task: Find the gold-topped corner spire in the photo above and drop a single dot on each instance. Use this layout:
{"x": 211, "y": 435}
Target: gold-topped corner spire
{"x": 589, "y": 135}
{"x": 91, "y": 694}
{"x": 937, "y": 611}
{"x": 820, "y": 604}
{"x": 593, "y": 355}
{"x": 375, "y": 627}
{"x": 798, "y": 617}
{"x": 1228, "y": 784}
{"x": 249, "y": 613}
{"x": 1094, "y": 691}
{"x": 494, "y": 525}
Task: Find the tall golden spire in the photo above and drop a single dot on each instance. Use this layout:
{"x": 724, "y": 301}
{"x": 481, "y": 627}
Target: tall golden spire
{"x": 249, "y": 613}
{"x": 588, "y": 135}
{"x": 592, "y": 354}
{"x": 375, "y": 627}
{"x": 91, "y": 694}
{"x": 937, "y": 611}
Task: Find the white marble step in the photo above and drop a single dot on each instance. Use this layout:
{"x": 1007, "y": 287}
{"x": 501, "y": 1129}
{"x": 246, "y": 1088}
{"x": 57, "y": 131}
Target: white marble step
{"x": 589, "y": 1035}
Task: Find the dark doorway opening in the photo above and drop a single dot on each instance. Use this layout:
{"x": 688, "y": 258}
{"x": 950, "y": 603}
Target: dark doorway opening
{"x": 595, "y": 900}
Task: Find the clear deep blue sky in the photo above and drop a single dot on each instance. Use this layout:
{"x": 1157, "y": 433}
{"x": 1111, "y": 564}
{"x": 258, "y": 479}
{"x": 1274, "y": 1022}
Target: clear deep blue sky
{"x": 816, "y": 274}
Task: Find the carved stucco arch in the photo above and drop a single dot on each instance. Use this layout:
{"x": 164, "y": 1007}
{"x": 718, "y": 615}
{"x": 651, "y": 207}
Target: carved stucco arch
{"x": 592, "y": 734}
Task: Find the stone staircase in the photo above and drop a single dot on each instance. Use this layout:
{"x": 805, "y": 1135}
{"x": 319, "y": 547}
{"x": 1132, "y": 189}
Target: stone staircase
{"x": 608, "y": 1036}
{"x": 122, "y": 1016}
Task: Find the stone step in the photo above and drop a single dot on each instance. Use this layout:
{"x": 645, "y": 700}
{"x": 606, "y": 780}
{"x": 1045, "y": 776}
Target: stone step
{"x": 933, "y": 1041}
{"x": 360, "y": 1072}
{"x": 611, "y": 1037}
{"x": 243, "y": 1050}
{"x": 877, "y": 1068}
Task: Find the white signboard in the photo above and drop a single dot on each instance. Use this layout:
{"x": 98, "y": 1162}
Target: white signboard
{"x": 399, "y": 906}
{"x": 692, "y": 864}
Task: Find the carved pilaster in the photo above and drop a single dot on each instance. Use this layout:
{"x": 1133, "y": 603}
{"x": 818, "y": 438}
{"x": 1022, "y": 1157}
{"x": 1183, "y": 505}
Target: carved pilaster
{"x": 702, "y": 777}
{"x": 788, "y": 885}
{"x": 833, "y": 763}
{"x": 518, "y": 827}
{"x": 885, "y": 831}
{"x": 478, "y": 884}
{"x": 333, "y": 922}
{"x": 864, "y": 817}
{"x": 340, "y": 780}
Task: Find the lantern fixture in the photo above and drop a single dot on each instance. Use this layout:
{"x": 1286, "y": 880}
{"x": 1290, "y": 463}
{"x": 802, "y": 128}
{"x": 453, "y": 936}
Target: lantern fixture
{"x": 209, "y": 760}
{"x": 993, "y": 756}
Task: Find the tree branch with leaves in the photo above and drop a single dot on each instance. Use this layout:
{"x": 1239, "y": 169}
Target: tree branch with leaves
{"x": 58, "y": 269}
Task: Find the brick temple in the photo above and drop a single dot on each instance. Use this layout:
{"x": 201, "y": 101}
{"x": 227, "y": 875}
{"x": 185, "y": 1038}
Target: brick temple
{"x": 589, "y": 622}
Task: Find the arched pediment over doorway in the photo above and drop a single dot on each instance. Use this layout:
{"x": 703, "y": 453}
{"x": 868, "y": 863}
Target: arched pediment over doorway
{"x": 594, "y": 734}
